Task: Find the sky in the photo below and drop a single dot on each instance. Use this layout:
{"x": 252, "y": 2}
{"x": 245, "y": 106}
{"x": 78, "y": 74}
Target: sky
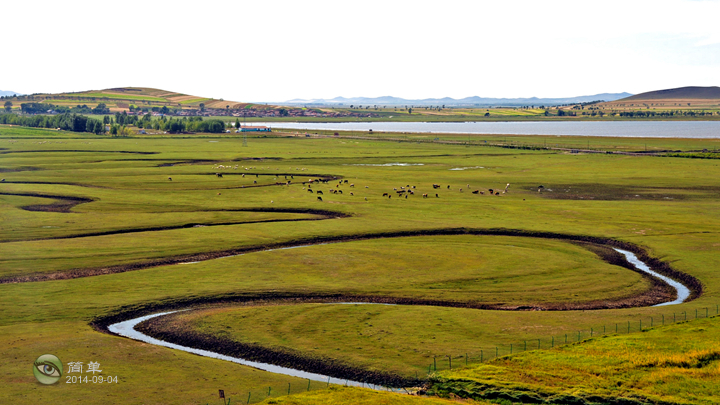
{"x": 270, "y": 51}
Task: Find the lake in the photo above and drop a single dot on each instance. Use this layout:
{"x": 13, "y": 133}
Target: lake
{"x": 640, "y": 129}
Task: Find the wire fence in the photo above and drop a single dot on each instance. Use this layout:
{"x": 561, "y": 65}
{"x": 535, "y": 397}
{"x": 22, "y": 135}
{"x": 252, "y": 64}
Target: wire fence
{"x": 485, "y": 354}
{"x": 443, "y": 362}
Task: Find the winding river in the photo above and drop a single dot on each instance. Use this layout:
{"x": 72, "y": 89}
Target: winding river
{"x": 127, "y": 329}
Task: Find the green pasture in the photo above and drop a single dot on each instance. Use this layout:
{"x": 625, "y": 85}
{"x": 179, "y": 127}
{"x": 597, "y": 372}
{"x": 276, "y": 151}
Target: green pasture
{"x": 121, "y": 96}
{"x": 667, "y": 205}
{"x": 672, "y": 364}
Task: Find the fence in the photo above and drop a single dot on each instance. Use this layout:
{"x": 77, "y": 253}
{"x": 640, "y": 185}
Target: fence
{"x": 485, "y": 354}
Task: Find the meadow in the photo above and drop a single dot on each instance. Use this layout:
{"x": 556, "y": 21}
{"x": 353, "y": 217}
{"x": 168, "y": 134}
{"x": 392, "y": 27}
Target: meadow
{"x": 95, "y": 228}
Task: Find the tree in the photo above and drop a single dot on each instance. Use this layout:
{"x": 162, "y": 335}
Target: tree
{"x": 202, "y": 106}
{"x": 8, "y": 106}
{"x": 237, "y": 123}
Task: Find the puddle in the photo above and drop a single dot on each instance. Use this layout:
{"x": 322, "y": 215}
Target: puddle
{"x": 682, "y": 292}
{"x": 387, "y": 164}
{"x": 467, "y": 168}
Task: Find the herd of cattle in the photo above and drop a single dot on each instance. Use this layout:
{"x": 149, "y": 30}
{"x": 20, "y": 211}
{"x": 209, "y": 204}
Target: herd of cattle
{"x": 403, "y": 191}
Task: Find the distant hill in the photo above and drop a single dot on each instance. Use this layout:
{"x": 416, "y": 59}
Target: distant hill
{"x": 8, "y": 93}
{"x": 121, "y": 98}
{"x": 682, "y": 97}
{"x": 681, "y": 93}
{"x": 451, "y": 102}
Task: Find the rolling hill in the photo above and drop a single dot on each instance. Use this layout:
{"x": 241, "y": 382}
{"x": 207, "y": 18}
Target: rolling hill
{"x": 121, "y": 98}
{"x": 452, "y": 102}
{"x": 682, "y": 97}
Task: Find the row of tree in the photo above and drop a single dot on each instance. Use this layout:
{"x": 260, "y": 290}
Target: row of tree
{"x": 43, "y": 108}
{"x": 66, "y": 122}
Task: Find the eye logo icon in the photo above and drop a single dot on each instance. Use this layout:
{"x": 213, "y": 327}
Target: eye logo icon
{"x": 47, "y": 369}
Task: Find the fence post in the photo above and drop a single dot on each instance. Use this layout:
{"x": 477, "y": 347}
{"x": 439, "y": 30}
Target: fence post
{"x": 434, "y": 364}
{"x": 288, "y": 388}
{"x": 249, "y": 393}
{"x": 663, "y": 319}
{"x": 308, "y": 385}
{"x": 269, "y": 391}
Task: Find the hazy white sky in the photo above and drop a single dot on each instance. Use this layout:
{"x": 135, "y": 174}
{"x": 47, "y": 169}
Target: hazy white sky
{"x": 279, "y": 50}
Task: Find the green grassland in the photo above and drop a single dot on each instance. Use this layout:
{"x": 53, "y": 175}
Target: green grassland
{"x": 669, "y": 206}
{"x": 673, "y": 364}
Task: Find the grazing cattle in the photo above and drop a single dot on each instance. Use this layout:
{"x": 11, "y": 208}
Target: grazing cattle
{"x": 218, "y": 193}
{"x": 218, "y": 174}
{"x": 310, "y": 190}
{"x": 437, "y": 196}
{"x": 389, "y": 196}
{"x": 385, "y": 194}
{"x": 476, "y": 192}
{"x": 482, "y": 192}
{"x": 169, "y": 178}
{"x": 340, "y": 191}
{"x": 346, "y": 181}
{"x": 436, "y": 186}
{"x": 319, "y": 198}
{"x": 292, "y": 177}
{"x": 352, "y": 185}
{"x": 413, "y": 186}
{"x": 367, "y": 187}
{"x": 461, "y": 190}
{"x": 254, "y": 181}
{"x": 319, "y": 192}
{"x": 352, "y": 194}
{"x": 448, "y": 187}
{"x": 425, "y": 195}
{"x": 365, "y": 198}
{"x": 506, "y": 187}
{"x": 406, "y": 195}
{"x": 411, "y": 192}
{"x": 243, "y": 174}
{"x": 491, "y": 191}
{"x": 497, "y": 193}
{"x": 2, "y": 180}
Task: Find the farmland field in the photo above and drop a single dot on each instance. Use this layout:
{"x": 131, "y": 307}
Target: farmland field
{"x": 97, "y": 229}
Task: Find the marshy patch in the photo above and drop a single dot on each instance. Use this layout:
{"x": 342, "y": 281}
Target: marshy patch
{"x": 614, "y": 192}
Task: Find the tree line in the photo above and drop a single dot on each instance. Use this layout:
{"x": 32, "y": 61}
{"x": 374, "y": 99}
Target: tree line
{"x": 43, "y": 108}
{"x": 66, "y": 122}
